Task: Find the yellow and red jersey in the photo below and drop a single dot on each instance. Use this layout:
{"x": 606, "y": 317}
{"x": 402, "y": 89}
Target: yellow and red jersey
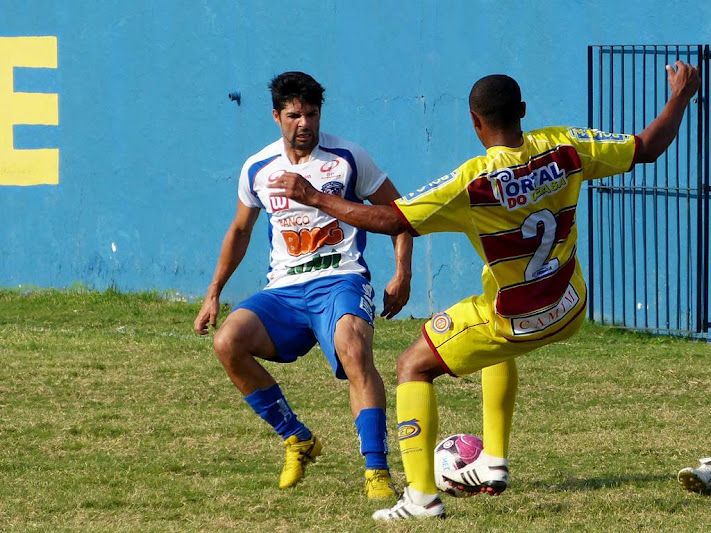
{"x": 518, "y": 206}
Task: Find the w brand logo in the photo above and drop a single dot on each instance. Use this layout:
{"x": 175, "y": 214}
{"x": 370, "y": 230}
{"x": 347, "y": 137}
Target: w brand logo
{"x": 278, "y": 203}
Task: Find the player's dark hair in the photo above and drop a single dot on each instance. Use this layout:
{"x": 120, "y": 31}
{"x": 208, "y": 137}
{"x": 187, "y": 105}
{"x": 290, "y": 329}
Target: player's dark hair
{"x": 289, "y": 85}
{"x": 497, "y": 99}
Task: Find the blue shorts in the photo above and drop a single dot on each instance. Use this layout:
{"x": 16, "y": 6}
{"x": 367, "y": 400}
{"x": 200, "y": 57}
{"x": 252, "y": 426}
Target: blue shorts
{"x": 298, "y": 316}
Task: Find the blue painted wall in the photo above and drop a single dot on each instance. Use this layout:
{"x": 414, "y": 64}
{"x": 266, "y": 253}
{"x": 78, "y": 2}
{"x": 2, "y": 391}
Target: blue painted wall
{"x": 150, "y": 144}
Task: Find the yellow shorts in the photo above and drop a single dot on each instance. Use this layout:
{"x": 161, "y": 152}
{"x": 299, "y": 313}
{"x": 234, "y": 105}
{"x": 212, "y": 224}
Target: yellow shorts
{"x": 465, "y": 339}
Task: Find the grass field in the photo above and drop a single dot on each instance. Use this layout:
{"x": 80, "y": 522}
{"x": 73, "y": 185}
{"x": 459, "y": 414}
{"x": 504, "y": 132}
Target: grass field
{"x": 115, "y": 417}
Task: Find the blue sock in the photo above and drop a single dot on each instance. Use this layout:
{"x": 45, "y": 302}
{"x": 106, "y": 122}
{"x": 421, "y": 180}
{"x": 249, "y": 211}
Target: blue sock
{"x": 373, "y": 435}
{"x": 273, "y": 408}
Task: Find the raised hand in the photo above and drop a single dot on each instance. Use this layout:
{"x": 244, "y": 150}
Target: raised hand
{"x": 683, "y": 80}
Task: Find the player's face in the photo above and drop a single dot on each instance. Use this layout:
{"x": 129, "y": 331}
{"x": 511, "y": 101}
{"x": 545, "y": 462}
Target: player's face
{"x": 299, "y": 123}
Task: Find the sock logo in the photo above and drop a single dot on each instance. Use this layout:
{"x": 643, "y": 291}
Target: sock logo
{"x": 408, "y": 429}
{"x": 284, "y": 409}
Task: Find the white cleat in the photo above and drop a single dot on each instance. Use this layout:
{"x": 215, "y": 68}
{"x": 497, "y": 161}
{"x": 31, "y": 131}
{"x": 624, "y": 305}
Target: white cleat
{"x": 487, "y": 474}
{"x": 697, "y": 479}
{"x": 406, "y": 508}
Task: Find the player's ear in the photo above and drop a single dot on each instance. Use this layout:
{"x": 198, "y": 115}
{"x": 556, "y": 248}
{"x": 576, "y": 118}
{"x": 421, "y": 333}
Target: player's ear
{"x": 476, "y": 120}
{"x": 522, "y": 110}
{"x": 275, "y": 115}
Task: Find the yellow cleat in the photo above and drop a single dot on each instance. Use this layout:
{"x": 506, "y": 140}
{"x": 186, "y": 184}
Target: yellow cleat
{"x": 378, "y": 485}
{"x": 298, "y": 453}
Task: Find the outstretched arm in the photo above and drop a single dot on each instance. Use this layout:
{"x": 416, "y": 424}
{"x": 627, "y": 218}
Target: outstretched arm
{"x": 375, "y": 218}
{"x": 234, "y": 246}
{"x": 659, "y": 134}
{"x": 397, "y": 291}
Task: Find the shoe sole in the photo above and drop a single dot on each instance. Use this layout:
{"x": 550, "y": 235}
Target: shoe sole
{"x": 492, "y": 488}
{"x": 380, "y": 497}
{"x": 441, "y": 516}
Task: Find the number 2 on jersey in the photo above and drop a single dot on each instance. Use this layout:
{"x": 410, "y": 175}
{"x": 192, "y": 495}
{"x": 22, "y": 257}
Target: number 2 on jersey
{"x": 538, "y": 266}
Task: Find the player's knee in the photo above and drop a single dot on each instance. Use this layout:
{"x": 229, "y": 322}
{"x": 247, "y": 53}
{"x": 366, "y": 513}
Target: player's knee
{"x": 356, "y": 361}
{"x": 226, "y": 344}
{"x": 412, "y": 366}
{"x": 405, "y": 367}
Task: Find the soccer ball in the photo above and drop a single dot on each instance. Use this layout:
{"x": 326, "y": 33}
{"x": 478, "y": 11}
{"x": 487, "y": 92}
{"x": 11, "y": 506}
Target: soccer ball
{"x": 453, "y": 453}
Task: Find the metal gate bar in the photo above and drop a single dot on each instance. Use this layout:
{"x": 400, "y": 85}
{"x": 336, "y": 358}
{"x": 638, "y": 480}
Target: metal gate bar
{"x": 649, "y": 228}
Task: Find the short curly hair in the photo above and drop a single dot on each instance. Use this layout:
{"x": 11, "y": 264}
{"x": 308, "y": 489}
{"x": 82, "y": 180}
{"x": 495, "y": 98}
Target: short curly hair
{"x": 290, "y": 85}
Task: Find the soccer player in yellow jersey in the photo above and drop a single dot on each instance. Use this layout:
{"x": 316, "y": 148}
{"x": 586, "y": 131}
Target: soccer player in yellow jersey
{"x": 517, "y": 205}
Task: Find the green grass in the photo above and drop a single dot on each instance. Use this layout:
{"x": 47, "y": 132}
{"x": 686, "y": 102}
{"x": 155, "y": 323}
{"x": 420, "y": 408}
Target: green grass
{"x": 115, "y": 417}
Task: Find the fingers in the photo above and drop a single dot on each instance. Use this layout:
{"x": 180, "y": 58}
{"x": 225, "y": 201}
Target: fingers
{"x": 681, "y": 68}
{"x": 286, "y": 179}
{"x": 202, "y": 322}
{"x": 392, "y": 305}
{"x": 390, "y": 311}
{"x": 683, "y": 79}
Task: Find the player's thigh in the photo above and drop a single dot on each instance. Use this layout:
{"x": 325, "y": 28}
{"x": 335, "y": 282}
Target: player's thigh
{"x": 353, "y": 339}
{"x": 282, "y": 315}
{"x": 342, "y": 311}
{"x": 243, "y": 332}
{"x": 464, "y": 339}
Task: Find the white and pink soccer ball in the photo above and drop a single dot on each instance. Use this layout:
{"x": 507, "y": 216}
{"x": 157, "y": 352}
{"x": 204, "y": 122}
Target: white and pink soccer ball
{"x": 453, "y": 453}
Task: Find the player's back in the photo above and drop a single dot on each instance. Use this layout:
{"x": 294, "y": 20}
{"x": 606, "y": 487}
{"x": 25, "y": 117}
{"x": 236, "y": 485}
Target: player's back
{"x": 523, "y": 204}
{"x": 518, "y": 208}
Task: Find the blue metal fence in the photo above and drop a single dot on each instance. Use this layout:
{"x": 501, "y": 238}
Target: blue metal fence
{"x": 648, "y": 247}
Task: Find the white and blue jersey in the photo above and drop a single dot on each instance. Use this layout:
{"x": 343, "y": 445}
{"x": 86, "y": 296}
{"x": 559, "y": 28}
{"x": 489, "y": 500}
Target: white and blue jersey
{"x": 306, "y": 243}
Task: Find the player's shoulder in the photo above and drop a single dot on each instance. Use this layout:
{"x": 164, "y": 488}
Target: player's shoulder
{"x": 473, "y": 167}
{"x": 265, "y": 155}
{"x": 330, "y": 143}
{"x": 552, "y": 133}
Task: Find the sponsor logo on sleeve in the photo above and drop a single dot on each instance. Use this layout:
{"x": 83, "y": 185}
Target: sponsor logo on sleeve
{"x": 583, "y": 135}
{"x": 431, "y": 186}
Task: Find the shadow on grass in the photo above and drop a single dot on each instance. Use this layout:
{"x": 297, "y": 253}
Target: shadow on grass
{"x": 573, "y": 484}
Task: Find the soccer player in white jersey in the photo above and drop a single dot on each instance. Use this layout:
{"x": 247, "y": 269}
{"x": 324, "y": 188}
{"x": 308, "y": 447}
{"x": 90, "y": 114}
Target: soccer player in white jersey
{"x": 517, "y": 205}
{"x": 318, "y": 286}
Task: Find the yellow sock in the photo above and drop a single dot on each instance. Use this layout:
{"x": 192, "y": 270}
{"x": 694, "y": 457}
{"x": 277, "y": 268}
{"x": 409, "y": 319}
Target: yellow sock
{"x": 417, "y": 423}
{"x": 498, "y": 385}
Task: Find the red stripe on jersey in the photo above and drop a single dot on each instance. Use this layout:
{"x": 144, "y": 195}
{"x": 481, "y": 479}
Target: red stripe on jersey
{"x": 511, "y": 244}
{"x": 481, "y": 193}
{"x": 565, "y": 156}
{"x": 412, "y": 231}
{"x": 529, "y": 297}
